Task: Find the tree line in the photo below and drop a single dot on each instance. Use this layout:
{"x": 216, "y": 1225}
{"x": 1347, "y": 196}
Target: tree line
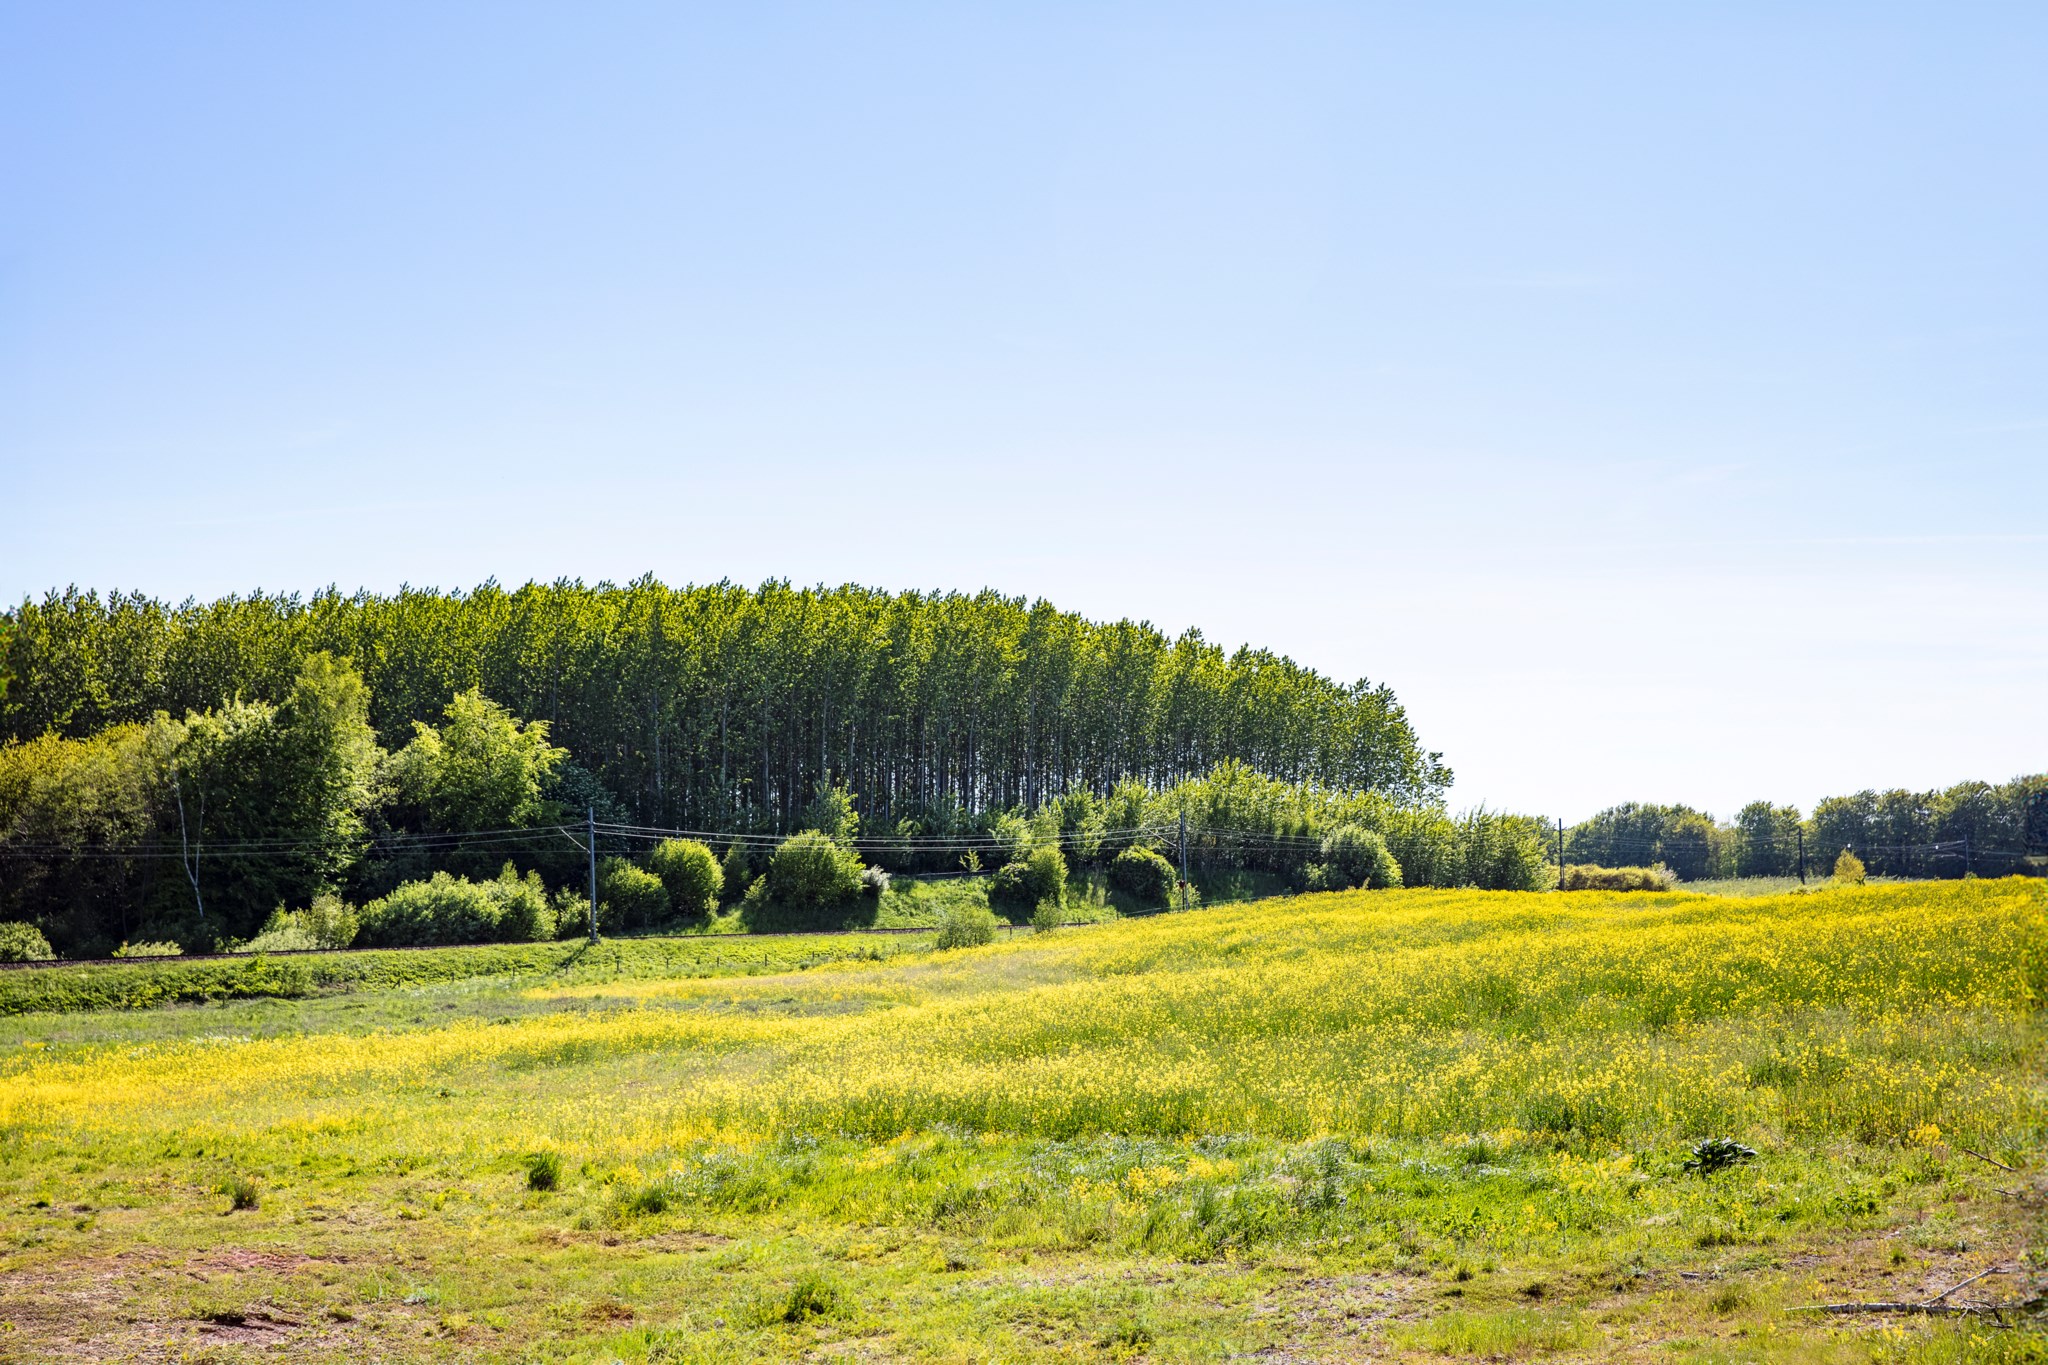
{"x": 725, "y": 707}
{"x": 1987, "y": 828}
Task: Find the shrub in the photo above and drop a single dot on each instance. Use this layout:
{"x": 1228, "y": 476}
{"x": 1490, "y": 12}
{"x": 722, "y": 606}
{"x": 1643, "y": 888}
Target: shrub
{"x": 1849, "y": 868}
{"x": 629, "y": 897}
{"x": 1047, "y": 917}
{"x": 329, "y": 922}
{"x": 737, "y": 875}
{"x": 447, "y": 909}
{"x": 23, "y": 943}
{"x": 809, "y": 870}
{"x": 571, "y": 908}
{"x": 543, "y": 1171}
{"x": 966, "y": 926}
{"x": 1143, "y": 875}
{"x": 1019, "y": 888}
{"x": 1356, "y": 856}
{"x": 1586, "y": 877}
{"x": 690, "y": 874}
{"x": 1718, "y": 1154}
{"x": 162, "y": 949}
{"x": 874, "y": 881}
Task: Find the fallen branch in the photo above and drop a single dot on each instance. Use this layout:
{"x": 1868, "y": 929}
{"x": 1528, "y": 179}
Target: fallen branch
{"x": 1947, "y": 1309}
{"x": 1995, "y": 1270}
{"x": 1993, "y": 1160}
{"x": 1933, "y": 1306}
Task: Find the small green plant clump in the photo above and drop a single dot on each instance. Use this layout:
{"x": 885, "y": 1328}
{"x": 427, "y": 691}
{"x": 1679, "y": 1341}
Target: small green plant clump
{"x": 543, "y": 1171}
{"x": 23, "y": 943}
{"x": 1718, "y": 1154}
{"x": 1048, "y": 917}
{"x": 1849, "y": 869}
{"x": 812, "y": 1296}
{"x": 242, "y": 1192}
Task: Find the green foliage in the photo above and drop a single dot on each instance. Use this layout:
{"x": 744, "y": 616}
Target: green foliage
{"x": 811, "y": 871}
{"x": 1047, "y": 917}
{"x": 1019, "y": 888}
{"x": 966, "y": 926}
{"x": 765, "y": 694}
{"x": 70, "y": 988}
{"x": 1353, "y": 856}
{"x": 1849, "y": 868}
{"x": 23, "y": 943}
{"x": 831, "y": 813}
{"x": 164, "y": 948}
{"x": 691, "y": 875}
{"x": 449, "y": 909}
{"x": 543, "y": 1171}
{"x": 1583, "y": 877}
{"x": 1710, "y": 1155}
{"x": 630, "y": 899}
{"x": 242, "y": 1192}
{"x": 735, "y": 874}
{"x": 329, "y": 923}
{"x": 480, "y": 769}
{"x": 1144, "y": 875}
{"x": 811, "y": 1296}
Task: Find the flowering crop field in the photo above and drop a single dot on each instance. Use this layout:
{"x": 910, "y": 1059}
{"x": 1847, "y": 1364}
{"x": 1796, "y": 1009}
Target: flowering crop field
{"x": 1371, "y": 1125}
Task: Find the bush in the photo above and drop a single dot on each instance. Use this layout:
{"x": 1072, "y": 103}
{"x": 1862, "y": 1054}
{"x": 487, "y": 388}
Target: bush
{"x": 329, "y": 922}
{"x": 736, "y": 873}
{"x": 629, "y": 897}
{"x": 809, "y": 871}
{"x": 874, "y": 881}
{"x": 571, "y": 908}
{"x": 966, "y": 926}
{"x": 242, "y": 1192}
{"x": 1047, "y": 917}
{"x": 449, "y": 909}
{"x": 1019, "y": 888}
{"x": 1356, "y": 856}
{"x": 1586, "y": 877}
{"x": 23, "y": 943}
{"x": 162, "y": 949}
{"x": 1849, "y": 868}
{"x": 690, "y": 874}
{"x": 1143, "y": 875}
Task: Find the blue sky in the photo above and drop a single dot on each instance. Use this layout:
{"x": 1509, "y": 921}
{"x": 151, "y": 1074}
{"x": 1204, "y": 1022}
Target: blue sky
{"x": 1654, "y": 399}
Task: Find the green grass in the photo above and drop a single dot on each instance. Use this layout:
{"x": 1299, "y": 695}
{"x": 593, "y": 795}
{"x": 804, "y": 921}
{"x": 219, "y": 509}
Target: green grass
{"x": 170, "y": 981}
{"x": 1408, "y": 1125}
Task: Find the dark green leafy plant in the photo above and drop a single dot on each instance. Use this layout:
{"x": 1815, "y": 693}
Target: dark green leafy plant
{"x": 1710, "y": 1155}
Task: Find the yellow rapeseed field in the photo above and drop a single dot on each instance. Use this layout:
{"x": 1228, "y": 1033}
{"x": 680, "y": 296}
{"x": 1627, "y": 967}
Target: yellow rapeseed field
{"x": 1421, "y": 1123}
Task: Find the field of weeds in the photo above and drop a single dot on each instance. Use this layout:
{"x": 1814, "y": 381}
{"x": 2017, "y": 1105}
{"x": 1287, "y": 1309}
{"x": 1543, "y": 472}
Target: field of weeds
{"x": 1429, "y": 1125}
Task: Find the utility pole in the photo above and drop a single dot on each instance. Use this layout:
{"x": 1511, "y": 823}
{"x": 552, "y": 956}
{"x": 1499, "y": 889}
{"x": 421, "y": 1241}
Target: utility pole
{"x": 1183, "y": 859}
{"x": 1560, "y": 855}
{"x": 1966, "y": 855}
{"x": 590, "y": 828}
{"x": 1802, "y": 854}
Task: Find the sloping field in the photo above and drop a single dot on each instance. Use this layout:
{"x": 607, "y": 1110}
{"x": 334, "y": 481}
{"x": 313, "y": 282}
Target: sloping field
{"x": 1367, "y": 1125}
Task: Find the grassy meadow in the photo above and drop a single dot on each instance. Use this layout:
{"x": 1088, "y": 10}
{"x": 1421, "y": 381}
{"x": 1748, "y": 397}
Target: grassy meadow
{"x": 1428, "y": 1125}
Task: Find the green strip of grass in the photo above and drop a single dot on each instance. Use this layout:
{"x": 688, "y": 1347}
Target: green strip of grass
{"x": 171, "y": 981}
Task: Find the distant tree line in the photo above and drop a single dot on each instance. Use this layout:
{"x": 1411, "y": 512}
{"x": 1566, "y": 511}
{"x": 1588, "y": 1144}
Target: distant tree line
{"x": 1981, "y": 827}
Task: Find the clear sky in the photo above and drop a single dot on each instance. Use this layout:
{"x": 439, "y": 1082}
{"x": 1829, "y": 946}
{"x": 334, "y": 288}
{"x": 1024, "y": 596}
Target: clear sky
{"x": 1654, "y": 398}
